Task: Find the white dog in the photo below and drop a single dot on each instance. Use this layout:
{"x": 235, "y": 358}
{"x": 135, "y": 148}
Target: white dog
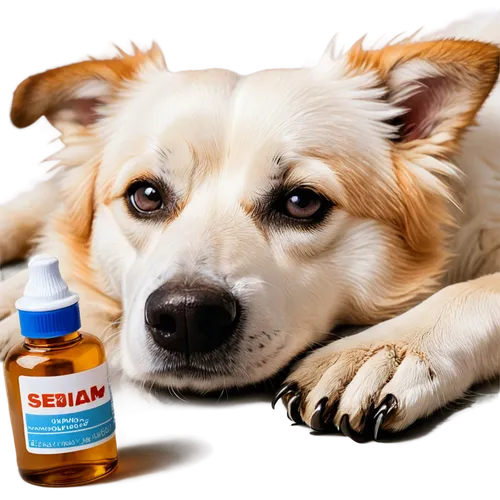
{"x": 216, "y": 226}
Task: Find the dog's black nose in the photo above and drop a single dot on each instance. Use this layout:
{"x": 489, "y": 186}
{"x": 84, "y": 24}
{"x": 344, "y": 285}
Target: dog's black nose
{"x": 196, "y": 319}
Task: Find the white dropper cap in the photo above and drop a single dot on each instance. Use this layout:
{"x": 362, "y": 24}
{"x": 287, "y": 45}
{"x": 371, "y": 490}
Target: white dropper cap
{"x": 46, "y": 290}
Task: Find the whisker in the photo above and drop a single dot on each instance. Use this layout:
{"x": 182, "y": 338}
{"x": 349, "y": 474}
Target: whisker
{"x": 179, "y": 396}
{"x": 258, "y": 282}
{"x": 115, "y": 322}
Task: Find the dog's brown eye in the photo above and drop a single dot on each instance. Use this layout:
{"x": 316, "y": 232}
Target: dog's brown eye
{"x": 145, "y": 197}
{"x": 303, "y": 204}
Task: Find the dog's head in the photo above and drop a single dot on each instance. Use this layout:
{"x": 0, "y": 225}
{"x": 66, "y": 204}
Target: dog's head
{"x": 238, "y": 219}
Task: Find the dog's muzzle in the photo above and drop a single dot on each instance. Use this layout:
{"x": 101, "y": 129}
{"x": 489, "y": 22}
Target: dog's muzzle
{"x": 191, "y": 319}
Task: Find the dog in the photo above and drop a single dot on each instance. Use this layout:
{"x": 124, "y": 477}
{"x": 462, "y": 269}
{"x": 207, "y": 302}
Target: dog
{"x": 217, "y": 226}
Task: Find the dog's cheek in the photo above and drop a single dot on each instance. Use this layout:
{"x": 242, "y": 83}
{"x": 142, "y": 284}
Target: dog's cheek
{"x": 111, "y": 252}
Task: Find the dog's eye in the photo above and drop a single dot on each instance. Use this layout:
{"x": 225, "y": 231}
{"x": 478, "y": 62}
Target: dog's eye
{"x": 145, "y": 197}
{"x": 303, "y": 204}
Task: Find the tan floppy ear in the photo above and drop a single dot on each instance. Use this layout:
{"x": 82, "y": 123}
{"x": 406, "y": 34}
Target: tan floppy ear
{"x": 70, "y": 96}
{"x": 439, "y": 86}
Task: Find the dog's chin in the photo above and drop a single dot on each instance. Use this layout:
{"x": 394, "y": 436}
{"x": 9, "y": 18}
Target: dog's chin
{"x": 196, "y": 380}
{"x": 195, "y": 366}
{"x": 200, "y": 373}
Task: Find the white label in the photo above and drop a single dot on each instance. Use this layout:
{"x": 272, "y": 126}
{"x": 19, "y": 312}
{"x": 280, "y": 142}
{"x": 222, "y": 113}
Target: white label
{"x": 68, "y": 412}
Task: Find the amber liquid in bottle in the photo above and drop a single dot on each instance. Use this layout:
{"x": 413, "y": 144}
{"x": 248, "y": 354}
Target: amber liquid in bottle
{"x": 54, "y": 357}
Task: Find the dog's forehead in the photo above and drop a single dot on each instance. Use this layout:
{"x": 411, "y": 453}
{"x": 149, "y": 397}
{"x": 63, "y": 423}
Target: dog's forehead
{"x": 296, "y": 114}
{"x": 213, "y": 121}
{"x": 200, "y": 98}
{"x": 178, "y": 116}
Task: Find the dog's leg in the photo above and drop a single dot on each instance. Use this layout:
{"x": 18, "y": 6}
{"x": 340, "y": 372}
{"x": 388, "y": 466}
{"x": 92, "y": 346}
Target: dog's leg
{"x": 9, "y": 334}
{"x": 10, "y": 290}
{"x": 22, "y": 219}
{"x": 403, "y": 369}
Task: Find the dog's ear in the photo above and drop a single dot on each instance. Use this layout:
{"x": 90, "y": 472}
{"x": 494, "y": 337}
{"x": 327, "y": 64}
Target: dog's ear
{"x": 432, "y": 92}
{"x": 70, "y": 96}
{"x": 438, "y": 87}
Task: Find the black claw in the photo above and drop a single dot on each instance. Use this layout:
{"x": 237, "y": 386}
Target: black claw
{"x": 350, "y": 433}
{"x": 317, "y": 420}
{"x": 293, "y": 410}
{"x": 368, "y": 423}
{"x": 382, "y": 413}
{"x": 347, "y": 430}
{"x": 284, "y": 390}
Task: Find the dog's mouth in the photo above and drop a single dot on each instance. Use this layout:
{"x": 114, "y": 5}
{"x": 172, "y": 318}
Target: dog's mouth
{"x": 216, "y": 363}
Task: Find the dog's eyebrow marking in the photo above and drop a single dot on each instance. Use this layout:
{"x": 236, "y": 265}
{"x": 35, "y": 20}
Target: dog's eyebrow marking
{"x": 279, "y": 161}
{"x": 163, "y": 153}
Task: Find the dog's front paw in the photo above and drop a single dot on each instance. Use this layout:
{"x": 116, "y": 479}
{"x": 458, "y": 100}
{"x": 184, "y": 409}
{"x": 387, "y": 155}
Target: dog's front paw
{"x": 9, "y": 334}
{"x": 360, "y": 385}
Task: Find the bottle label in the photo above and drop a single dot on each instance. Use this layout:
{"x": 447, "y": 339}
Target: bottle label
{"x": 68, "y": 412}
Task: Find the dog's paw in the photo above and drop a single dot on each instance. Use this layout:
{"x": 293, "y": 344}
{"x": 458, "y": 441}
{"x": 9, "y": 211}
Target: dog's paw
{"x": 11, "y": 289}
{"x": 4, "y": 312}
{"x": 7, "y": 306}
{"x": 362, "y": 384}
{"x": 9, "y": 334}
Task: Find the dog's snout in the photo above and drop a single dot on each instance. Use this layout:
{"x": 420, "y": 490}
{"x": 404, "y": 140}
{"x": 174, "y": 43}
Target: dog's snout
{"x": 197, "y": 319}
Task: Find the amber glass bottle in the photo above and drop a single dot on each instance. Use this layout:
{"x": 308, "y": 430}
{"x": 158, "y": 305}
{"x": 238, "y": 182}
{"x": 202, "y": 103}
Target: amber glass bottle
{"x": 58, "y": 390}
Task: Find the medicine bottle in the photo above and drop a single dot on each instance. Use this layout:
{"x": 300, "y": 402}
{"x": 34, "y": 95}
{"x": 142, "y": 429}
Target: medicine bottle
{"x": 57, "y": 387}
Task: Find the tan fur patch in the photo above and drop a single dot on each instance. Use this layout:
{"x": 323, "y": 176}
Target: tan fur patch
{"x": 406, "y": 205}
{"x": 478, "y": 56}
{"x": 73, "y": 222}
